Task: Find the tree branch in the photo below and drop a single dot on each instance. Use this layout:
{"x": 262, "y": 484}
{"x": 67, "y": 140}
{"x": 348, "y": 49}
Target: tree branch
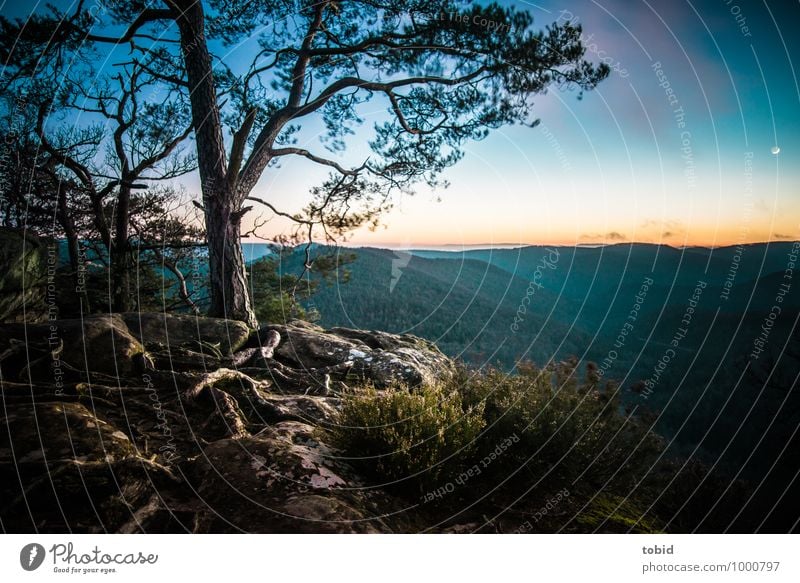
{"x": 280, "y": 213}
{"x": 146, "y": 16}
{"x": 260, "y": 156}
{"x": 81, "y": 171}
{"x": 276, "y": 152}
{"x": 237, "y": 148}
{"x": 299, "y": 70}
{"x": 183, "y": 290}
{"x": 164, "y": 153}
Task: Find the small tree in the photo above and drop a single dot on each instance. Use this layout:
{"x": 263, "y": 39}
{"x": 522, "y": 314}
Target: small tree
{"x": 61, "y": 182}
{"x": 168, "y": 245}
{"x": 131, "y": 139}
{"x": 280, "y": 282}
{"x": 275, "y": 293}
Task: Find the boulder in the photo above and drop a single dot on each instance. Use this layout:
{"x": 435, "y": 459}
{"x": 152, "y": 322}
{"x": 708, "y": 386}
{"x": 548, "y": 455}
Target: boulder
{"x": 307, "y": 408}
{"x": 181, "y": 358}
{"x": 185, "y": 424}
{"x": 98, "y": 343}
{"x": 173, "y": 330}
{"x": 379, "y": 357}
{"x": 23, "y": 275}
{"x": 63, "y": 469}
{"x": 54, "y": 432}
{"x": 284, "y": 480}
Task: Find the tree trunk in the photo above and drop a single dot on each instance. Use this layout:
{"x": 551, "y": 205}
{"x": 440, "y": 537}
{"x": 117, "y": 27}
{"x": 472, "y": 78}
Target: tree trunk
{"x": 68, "y": 226}
{"x": 230, "y": 297}
{"x": 73, "y": 247}
{"x": 119, "y": 253}
{"x": 120, "y": 279}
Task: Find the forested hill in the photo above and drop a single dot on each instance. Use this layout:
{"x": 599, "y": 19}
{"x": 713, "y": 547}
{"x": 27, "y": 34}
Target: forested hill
{"x": 466, "y": 306}
{"x": 564, "y": 300}
{"x": 688, "y": 322}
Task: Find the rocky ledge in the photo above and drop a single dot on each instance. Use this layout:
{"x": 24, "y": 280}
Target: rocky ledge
{"x": 167, "y": 423}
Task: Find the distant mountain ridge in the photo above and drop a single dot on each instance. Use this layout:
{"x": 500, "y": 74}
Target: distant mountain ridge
{"x": 694, "y": 347}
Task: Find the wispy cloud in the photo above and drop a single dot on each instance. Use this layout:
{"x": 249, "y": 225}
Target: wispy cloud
{"x": 610, "y": 236}
{"x": 669, "y": 224}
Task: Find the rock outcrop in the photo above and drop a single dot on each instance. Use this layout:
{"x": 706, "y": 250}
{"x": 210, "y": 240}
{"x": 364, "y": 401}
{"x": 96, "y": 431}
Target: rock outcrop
{"x": 99, "y": 344}
{"x": 223, "y": 336}
{"x": 382, "y": 358}
{"x": 167, "y": 423}
{"x": 23, "y": 281}
{"x": 284, "y": 479}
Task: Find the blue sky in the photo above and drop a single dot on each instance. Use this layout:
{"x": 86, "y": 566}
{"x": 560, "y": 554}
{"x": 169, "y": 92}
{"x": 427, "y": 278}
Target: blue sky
{"x": 674, "y": 147}
{"x": 619, "y": 165}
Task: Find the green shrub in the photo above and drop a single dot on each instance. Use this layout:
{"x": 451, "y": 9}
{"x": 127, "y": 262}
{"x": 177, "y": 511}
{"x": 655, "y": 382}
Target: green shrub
{"x": 492, "y": 444}
{"x": 568, "y": 430}
{"x": 273, "y": 293}
{"x": 536, "y": 431}
{"x": 616, "y": 514}
{"x": 410, "y": 437}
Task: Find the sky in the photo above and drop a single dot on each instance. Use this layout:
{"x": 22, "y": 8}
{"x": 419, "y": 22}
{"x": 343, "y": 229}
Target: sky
{"x": 675, "y": 147}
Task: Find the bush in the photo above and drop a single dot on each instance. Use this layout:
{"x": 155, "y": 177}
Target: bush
{"x": 568, "y": 430}
{"x": 407, "y": 438}
{"x": 489, "y": 444}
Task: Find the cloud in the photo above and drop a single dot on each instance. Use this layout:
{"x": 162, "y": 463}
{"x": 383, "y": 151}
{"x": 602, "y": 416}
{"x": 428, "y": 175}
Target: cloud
{"x": 610, "y": 236}
{"x": 669, "y": 224}
{"x": 667, "y": 228}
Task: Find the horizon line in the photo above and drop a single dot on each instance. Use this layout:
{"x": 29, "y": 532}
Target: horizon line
{"x": 455, "y": 247}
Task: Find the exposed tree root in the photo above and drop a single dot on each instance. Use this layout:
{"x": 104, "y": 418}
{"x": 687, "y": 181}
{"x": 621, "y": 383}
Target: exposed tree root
{"x": 238, "y": 390}
{"x": 314, "y": 381}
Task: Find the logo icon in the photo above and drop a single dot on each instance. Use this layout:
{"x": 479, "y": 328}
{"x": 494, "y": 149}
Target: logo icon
{"x": 401, "y": 257}
{"x": 399, "y": 263}
{"x": 31, "y": 556}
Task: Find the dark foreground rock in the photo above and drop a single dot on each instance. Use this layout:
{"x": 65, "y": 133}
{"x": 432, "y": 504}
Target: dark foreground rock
{"x": 23, "y": 279}
{"x": 284, "y": 479}
{"x": 163, "y": 423}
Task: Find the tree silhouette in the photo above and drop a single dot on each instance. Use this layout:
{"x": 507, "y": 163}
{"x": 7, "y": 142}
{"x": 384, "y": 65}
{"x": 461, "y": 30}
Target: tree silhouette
{"x": 92, "y": 140}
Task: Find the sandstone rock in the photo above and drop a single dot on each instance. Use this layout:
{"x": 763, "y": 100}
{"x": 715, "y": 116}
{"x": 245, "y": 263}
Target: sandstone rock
{"x": 181, "y": 425}
{"x": 284, "y": 480}
{"x": 180, "y": 358}
{"x": 23, "y": 277}
{"x": 306, "y": 408}
{"x": 98, "y": 343}
{"x": 111, "y": 344}
{"x": 173, "y": 330}
{"x": 243, "y": 402}
{"x": 382, "y": 358}
{"x": 57, "y": 432}
{"x": 64, "y": 469}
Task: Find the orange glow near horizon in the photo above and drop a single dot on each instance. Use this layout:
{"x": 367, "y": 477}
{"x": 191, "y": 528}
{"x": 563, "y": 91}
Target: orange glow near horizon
{"x": 427, "y": 230}
{"x": 446, "y": 225}
{"x": 510, "y": 201}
